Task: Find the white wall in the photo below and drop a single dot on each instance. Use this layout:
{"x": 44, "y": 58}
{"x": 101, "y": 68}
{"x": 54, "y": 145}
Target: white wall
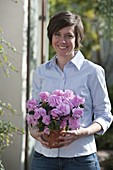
{"x": 11, "y": 21}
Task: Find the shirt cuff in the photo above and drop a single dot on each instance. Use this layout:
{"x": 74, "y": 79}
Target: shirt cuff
{"x": 105, "y": 124}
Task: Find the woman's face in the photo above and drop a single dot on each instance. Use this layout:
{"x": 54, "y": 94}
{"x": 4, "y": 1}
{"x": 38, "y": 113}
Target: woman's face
{"x": 63, "y": 42}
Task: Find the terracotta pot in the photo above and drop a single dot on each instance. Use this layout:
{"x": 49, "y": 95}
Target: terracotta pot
{"x": 52, "y": 138}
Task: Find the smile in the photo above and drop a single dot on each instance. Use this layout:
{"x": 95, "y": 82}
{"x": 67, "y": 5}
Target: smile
{"x": 62, "y": 48}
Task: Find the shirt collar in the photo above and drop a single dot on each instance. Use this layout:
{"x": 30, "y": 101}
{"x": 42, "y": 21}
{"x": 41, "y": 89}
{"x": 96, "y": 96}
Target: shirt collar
{"x": 77, "y": 60}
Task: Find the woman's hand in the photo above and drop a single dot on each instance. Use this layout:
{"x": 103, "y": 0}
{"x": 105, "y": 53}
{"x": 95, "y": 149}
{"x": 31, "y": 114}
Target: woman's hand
{"x": 68, "y": 137}
{"x": 38, "y": 136}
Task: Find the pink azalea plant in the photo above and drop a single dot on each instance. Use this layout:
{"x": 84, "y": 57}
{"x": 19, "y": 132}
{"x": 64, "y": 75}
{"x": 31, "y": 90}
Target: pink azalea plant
{"x": 59, "y": 110}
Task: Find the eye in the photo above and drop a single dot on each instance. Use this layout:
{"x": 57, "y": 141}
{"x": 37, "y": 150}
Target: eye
{"x": 69, "y": 36}
{"x": 57, "y": 34}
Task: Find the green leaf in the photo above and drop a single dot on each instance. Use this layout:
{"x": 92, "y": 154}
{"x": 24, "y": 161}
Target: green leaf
{"x": 14, "y": 49}
{"x": 1, "y": 49}
{"x": 13, "y": 68}
{"x": 5, "y": 58}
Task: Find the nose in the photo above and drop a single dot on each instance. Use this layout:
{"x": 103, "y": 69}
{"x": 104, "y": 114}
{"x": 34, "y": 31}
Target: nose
{"x": 63, "y": 39}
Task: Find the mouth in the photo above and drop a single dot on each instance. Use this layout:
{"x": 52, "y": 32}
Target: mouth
{"x": 62, "y": 47}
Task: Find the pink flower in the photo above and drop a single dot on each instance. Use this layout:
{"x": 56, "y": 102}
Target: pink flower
{"x": 77, "y": 112}
{"x": 64, "y": 108}
{"x": 58, "y": 92}
{"x": 69, "y": 94}
{"x": 68, "y": 102}
{"x": 44, "y": 96}
{"x": 77, "y": 100}
{"x": 31, "y": 104}
{"x": 55, "y": 113}
{"x": 54, "y": 100}
{"x": 63, "y": 123}
{"x": 30, "y": 120}
{"x": 37, "y": 114}
{"x": 46, "y": 120}
{"x": 42, "y": 111}
{"x": 59, "y": 110}
{"x": 74, "y": 123}
{"x": 47, "y": 130}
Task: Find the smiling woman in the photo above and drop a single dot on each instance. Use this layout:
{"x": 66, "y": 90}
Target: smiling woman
{"x": 63, "y": 42}
{"x": 69, "y": 70}
{"x": 63, "y": 20}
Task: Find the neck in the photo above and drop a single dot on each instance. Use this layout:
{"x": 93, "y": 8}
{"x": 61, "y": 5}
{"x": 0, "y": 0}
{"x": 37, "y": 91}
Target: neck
{"x": 62, "y": 61}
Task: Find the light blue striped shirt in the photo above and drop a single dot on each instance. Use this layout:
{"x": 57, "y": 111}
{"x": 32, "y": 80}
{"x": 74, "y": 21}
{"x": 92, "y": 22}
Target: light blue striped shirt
{"x": 85, "y": 79}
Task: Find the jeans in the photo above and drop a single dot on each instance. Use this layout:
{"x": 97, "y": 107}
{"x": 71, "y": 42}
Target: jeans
{"x": 40, "y": 162}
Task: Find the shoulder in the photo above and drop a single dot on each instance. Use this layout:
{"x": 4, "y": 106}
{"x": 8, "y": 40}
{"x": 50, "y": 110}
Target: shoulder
{"x": 42, "y": 67}
{"x": 93, "y": 67}
{"x": 96, "y": 73}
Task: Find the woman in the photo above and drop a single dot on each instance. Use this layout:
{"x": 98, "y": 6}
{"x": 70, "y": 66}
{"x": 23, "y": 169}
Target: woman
{"x": 68, "y": 69}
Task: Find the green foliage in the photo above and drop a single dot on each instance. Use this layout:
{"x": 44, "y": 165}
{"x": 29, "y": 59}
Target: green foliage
{"x": 97, "y": 17}
{"x": 86, "y": 9}
{"x": 1, "y": 166}
{"x": 105, "y": 12}
{"x": 5, "y": 59}
{"x": 4, "y": 107}
{"x": 7, "y": 129}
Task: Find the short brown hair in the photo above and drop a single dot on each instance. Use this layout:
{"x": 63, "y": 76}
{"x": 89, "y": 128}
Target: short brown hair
{"x": 63, "y": 19}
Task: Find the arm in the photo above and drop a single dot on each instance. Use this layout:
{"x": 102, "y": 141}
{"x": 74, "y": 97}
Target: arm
{"x": 101, "y": 109}
{"x": 70, "y": 136}
{"x": 93, "y": 128}
{"x": 100, "y": 99}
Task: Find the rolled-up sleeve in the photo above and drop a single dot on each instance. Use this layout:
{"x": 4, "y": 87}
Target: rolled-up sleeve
{"x": 100, "y": 99}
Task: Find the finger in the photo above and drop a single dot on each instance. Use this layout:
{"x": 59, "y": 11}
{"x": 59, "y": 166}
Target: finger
{"x": 43, "y": 142}
{"x": 65, "y": 136}
{"x": 47, "y": 146}
{"x": 64, "y": 143}
{"x": 36, "y": 134}
{"x": 68, "y": 139}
